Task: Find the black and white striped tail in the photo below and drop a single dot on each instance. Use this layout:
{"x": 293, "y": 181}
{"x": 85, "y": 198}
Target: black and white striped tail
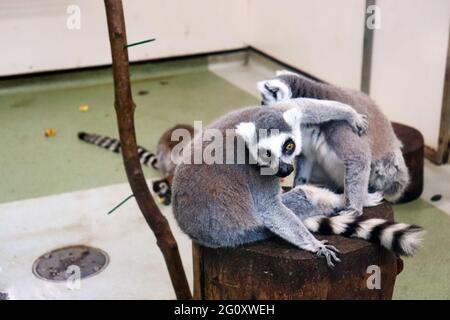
{"x": 401, "y": 238}
{"x": 146, "y": 157}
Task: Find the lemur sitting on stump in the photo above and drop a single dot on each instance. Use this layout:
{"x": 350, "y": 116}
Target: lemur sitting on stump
{"x": 229, "y": 204}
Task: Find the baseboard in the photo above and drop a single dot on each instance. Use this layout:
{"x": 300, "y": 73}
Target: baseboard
{"x": 432, "y": 155}
{"x": 212, "y": 55}
{"x": 220, "y": 58}
{"x": 283, "y": 64}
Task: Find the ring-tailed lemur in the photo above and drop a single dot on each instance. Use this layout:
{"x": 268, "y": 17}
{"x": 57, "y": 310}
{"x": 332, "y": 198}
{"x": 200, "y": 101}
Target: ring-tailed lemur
{"x": 333, "y": 156}
{"x": 226, "y": 205}
{"x": 162, "y": 161}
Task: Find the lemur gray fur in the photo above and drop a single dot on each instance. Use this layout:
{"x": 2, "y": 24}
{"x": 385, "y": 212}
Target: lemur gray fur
{"x": 335, "y": 157}
{"x": 226, "y": 205}
{"x": 160, "y": 161}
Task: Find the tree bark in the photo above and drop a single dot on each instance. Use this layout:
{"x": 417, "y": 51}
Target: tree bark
{"x": 125, "y": 106}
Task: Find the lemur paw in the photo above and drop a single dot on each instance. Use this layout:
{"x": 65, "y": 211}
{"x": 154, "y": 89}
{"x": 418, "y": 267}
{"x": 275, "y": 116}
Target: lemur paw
{"x": 328, "y": 252}
{"x": 351, "y": 212}
{"x": 360, "y": 124}
{"x": 373, "y": 199}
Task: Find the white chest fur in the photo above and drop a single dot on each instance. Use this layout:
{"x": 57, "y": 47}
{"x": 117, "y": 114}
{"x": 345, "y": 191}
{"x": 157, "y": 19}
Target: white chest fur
{"x": 326, "y": 164}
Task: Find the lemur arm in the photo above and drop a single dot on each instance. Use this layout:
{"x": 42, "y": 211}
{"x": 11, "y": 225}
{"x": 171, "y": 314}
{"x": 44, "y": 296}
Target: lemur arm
{"x": 285, "y": 224}
{"x": 316, "y": 111}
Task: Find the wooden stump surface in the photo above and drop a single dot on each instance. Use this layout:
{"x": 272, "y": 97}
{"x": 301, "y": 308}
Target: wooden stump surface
{"x": 275, "y": 269}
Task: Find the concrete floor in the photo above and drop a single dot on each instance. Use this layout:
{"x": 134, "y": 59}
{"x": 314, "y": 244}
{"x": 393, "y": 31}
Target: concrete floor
{"x": 56, "y": 191}
{"x": 29, "y": 228}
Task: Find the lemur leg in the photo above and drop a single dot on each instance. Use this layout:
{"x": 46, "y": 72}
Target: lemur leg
{"x": 303, "y": 169}
{"x": 356, "y": 156}
{"x": 306, "y": 201}
{"x": 283, "y": 222}
{"x": 390, "y": 175}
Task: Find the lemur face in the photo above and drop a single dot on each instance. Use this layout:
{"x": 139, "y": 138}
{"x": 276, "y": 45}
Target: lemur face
{"x": 278, "y": 89}
{"x": 273, "y": 140}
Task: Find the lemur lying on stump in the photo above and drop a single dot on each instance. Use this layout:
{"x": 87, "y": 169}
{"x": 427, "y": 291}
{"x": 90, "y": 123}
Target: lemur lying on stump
{"x": 332, "y": 155}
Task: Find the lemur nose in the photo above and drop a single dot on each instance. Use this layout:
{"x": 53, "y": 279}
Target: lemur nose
{"x": 284, "y": 169}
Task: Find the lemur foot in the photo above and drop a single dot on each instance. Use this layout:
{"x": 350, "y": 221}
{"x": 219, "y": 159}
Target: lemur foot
{"x": 328, "y": 252}
{"x": 360, "y": 124}
{"x": 351, "y": 212}
{"x": 373, "y": 199}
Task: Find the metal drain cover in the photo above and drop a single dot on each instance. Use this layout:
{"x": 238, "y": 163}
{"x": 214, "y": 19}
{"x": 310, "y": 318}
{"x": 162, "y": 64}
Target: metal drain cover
{"x": 57, "y": 265}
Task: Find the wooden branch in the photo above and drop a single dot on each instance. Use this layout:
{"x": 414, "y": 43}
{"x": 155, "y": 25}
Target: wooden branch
{"x": 125, "y": 106}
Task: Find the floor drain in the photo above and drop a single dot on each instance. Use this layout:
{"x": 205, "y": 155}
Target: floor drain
{"x": 58, "y": 265}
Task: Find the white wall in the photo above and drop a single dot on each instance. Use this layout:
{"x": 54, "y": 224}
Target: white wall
{"x": 321, "y": 37}
{"x": 409, "y": 59}
{"x": 35, "y": 37}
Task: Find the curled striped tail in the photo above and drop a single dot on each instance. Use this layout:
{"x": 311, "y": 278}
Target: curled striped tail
{"x": 146, "y": 157}
{"x": 401, "y": 238}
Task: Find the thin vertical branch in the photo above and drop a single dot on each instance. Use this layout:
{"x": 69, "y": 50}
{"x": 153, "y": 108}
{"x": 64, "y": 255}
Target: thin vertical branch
{"x": 125, "y": 106}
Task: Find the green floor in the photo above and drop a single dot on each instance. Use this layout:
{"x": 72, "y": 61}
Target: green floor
{"x": 36, "y": 166}
{"x": 32, "y": 165}
{"x": 426, "y": 275}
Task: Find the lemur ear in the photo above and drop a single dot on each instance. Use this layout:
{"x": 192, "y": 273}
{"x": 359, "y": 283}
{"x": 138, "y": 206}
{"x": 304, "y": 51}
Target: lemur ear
{"x": 285, "y": 73}
{"x": 261, "y": 85}
{"x": 247, "y": 131}
{"x": 293, "y": 117}
{"x": 275, "y": 89}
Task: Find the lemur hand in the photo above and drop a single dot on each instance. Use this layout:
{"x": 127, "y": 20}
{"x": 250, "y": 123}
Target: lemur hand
{"x": 328, "y": 252}
{"x": 359, "y": 124}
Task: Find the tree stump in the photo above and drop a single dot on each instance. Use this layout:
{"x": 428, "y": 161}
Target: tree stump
{"x": 275, "y": 269}
{"x": 413, "y": 152}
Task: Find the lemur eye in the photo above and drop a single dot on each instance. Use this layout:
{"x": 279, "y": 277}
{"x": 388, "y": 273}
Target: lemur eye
{"x": 289, "y": 146}
{"x": 268, "y": 153}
